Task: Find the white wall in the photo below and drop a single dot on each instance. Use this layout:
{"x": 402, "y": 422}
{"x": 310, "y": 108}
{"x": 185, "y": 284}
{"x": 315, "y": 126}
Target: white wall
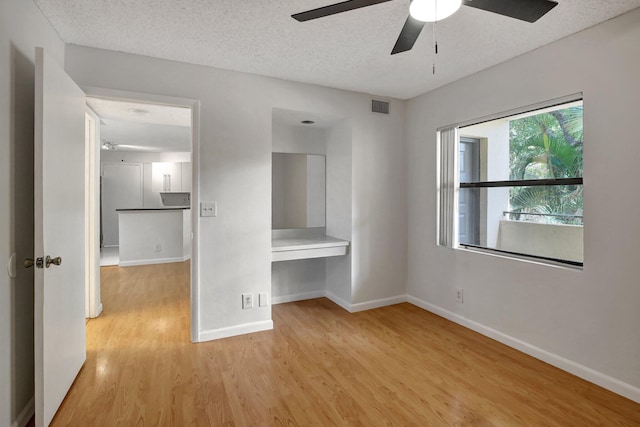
{"x": 379, "y": 206}
{"x": 235, "y": 171}
{"x": 340, "y": 207}
{"x": 316, "y": 191}
{"x": 22, "y": 28}
{"x": 122, "y": 188}
{"x": 154, "y": 237}
{"x": 298, "y": 279}
{"x": 298, "y": 139}
{"x": 585, "y": 321}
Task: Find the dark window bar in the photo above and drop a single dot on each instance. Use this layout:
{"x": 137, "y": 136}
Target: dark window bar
{"x": 561, "y": 261}
{"x": 542, "y": 214}
{"x": 523, "y": 183}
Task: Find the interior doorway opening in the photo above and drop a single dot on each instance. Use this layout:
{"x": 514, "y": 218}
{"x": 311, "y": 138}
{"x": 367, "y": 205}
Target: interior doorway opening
{"x": 139, "y": 161}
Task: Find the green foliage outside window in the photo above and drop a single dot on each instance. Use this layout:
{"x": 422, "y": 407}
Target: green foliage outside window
{"x": 547, "y": 146}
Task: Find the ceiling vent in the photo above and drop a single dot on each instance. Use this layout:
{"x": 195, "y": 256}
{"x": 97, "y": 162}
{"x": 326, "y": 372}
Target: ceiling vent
{"x": 381, "y": 107}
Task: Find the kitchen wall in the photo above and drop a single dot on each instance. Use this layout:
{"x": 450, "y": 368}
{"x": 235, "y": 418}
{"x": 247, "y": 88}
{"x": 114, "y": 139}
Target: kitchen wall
{"x": 235, "y": 171}
{"x": 151, "y": 198}
{"x": 22, "y": 28}
{"x": 584, "y": 321}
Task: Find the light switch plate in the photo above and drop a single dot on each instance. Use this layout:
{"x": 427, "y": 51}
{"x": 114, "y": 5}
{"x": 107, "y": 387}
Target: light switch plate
{"x": 208, "y": 209}
{"x": 263, "y": 299}
{"x": 247, "y": 301}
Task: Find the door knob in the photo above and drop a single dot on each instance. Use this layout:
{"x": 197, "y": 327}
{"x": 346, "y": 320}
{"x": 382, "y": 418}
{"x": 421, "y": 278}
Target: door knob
{"x": 39, "y": 262}
{"x": 55, "y": 261}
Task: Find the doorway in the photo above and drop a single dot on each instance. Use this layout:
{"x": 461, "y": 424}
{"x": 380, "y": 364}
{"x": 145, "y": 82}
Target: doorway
{"x": 137, "y": 140}
{"x": 469, "y": 198}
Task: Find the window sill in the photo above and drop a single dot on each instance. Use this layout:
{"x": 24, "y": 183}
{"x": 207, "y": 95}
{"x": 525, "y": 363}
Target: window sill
{"x": 519, "y": 257}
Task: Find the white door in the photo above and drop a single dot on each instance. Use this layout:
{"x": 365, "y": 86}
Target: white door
{"x": 60, "y": 342}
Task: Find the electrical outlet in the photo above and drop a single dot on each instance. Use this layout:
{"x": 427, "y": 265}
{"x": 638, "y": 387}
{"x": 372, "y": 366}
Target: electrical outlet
{"x": 263, "y": 299}
{"x": 247, "y": 301}
{"x": 460, "y": 295}
{"x": 158, "y": 248}
{"x": 208, "y": 209}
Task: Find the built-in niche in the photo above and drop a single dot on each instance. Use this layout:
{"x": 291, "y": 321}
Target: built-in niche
{"x": 311, "y": 206}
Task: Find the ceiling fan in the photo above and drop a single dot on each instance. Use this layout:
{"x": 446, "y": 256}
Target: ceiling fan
{"x": 422, "y": 11}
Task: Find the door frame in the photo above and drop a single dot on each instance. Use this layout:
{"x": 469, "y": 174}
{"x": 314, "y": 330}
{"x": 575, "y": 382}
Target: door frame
{"x": 93, "y": 304}
{"x": 194, "y": 106}
{"x": 474, "y": 150}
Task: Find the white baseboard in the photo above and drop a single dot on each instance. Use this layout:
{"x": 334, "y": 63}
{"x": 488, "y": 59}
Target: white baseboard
{"x": 368, "y": 305}
{"x": 297, "y": 297}
{"x": 584, "y": 372}
{"x": 351, "y": 308}
{"x": 26, "y": 414}
{"x": 342, "y": 303}
{"x": 98, "y": 311}
{"x": 248, "y": 328}
{"x": 149, "y": 261}
{"x": 231, "y": 331}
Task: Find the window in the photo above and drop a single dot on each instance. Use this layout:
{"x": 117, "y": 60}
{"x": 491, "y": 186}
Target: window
{"x": 514, "y": 184}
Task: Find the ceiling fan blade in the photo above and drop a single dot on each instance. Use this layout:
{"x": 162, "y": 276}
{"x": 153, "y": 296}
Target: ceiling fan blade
{"x": 332, "y": 9}
{"x": 525, "y": 10}
{"x": 408, "y": 35}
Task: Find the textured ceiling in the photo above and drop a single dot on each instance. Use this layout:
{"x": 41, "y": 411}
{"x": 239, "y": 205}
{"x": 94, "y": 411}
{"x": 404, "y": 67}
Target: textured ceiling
{"x": 132, "y": 126}
{"x": 347, "y": 51}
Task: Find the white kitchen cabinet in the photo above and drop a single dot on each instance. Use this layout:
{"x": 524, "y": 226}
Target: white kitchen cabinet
{"x": 186, "y": 176}
{"x": 166, "y": 177}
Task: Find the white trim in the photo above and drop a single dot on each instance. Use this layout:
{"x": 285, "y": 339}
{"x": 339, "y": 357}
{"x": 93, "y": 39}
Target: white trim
{"x": 150, "y": 261}
{"x": 515, "y": 111}
{"x": 342, "y": 303}
{"x": 297, "y": 297}
{"x": 194, "y": 105}
{"x": 624, "y": 389}
{"x": 351, "y": 308}
{"x": 377, "y": 303}
{"x": 248, "y": 328}
{"x": 92, "y": 212}
{"x": 26, "y": 414}
{"x": 231, "y": 331}
{"x": 99, "y": 310}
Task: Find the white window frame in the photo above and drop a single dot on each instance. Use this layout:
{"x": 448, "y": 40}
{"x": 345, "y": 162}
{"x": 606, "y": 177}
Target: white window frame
{"x": 448, "y": 183}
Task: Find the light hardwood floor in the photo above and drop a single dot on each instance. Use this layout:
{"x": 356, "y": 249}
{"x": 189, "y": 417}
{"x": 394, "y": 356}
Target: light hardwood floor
{"x": 320, "y": 366}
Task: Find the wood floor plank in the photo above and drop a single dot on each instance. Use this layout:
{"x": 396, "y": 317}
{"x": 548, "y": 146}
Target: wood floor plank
{"x": 320, "y": 366}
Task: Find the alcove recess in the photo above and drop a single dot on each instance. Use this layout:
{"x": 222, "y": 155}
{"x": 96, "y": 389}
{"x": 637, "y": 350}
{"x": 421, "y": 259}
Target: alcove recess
{"x": 310, "y": 240}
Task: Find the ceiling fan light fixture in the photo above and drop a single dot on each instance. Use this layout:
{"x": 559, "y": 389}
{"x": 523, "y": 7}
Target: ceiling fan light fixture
{"x": 108, "y": 145}
{"x": 433, "y": 10}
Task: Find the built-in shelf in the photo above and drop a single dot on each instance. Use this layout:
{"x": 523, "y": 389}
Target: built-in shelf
{"x": 292, "y": 244}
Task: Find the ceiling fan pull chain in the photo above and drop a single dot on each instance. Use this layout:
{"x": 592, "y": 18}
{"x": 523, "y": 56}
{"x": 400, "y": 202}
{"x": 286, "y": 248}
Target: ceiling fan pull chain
{"x": 435, "y": 44}
{"x": 435, "y": 39}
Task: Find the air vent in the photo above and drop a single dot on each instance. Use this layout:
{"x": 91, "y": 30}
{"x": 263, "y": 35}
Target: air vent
{"x": 381, "y": 107}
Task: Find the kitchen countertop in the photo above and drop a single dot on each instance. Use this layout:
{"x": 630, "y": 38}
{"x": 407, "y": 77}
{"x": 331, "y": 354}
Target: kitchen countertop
{"x": 174, "y": 208}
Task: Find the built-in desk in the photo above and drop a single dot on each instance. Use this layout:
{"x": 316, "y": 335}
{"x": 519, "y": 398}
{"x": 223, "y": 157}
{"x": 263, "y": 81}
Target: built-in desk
{"x": 292, "y": 244}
